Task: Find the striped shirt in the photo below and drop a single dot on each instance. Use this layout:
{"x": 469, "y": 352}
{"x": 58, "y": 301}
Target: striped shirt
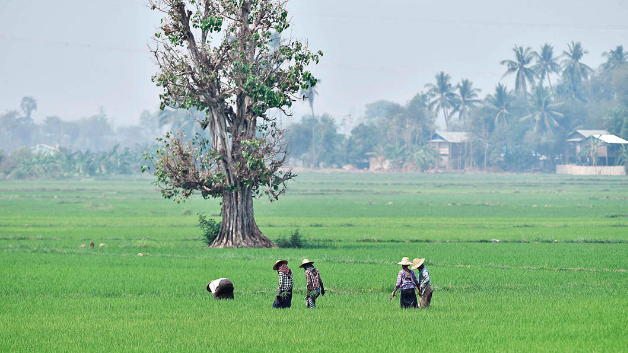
{"x": 406, "y": 280}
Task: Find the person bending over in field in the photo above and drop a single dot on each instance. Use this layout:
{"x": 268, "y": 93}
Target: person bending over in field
{"x": 284, "y": 292}
{"x": 221, "y": 288}
{"x": 407, "y": 282}
{"x": 314, "y": 283}
{"x": 425, "y": 285}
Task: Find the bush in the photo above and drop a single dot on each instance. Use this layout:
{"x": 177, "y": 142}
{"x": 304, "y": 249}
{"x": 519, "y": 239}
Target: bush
{"x": 294, "y": 241}
{"x": 209, "y": 227}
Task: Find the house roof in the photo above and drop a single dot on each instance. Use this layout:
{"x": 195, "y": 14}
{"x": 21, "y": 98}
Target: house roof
{"x": 580, "y": 135}
{"x": 449, "y": 136}
{"x": 611, "y": 139}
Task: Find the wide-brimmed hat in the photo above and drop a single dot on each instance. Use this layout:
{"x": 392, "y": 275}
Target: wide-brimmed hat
{"x": 305, "y": 262}
{"x": 405, "y": 261}
{"x": 278, "y": 263}
{"x": 416, "y": 263}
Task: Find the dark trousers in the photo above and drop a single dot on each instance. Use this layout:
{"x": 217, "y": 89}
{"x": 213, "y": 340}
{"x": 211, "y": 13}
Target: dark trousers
{"x": 283, "y": 300}
{"x": 407, "y": 299}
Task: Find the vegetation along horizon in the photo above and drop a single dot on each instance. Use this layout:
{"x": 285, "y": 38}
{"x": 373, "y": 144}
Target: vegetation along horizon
{"x": 518, "y": 263}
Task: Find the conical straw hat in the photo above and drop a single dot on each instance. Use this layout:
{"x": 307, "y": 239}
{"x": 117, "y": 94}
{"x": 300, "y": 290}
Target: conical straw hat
{"x": 305, "y": 262}
{"x": 416, "y": 263}
{"x": 405, "y": 261}
{"x": 278, "y": 263}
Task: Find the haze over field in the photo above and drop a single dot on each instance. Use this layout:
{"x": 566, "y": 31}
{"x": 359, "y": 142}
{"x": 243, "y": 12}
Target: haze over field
{"x": 75, "y": 57}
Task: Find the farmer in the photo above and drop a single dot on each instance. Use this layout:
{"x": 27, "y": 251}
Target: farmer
{"x": 284, "y": 292}
{"x": 221, "y": 288}
{"x": 425, "y": 285}
{"x": 406, "y": 280}
{"x": 314, "y": 283}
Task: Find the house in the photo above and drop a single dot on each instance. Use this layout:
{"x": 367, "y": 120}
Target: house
{"x": 44, "y": 149}
{"x": 453, "y": 149}
{"x": 595, "y": 147}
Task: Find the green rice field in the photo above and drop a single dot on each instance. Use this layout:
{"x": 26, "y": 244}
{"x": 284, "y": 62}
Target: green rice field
{"x": 557, "y": 280}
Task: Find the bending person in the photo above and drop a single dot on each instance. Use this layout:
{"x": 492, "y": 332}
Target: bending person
{"x": 221, "y": 288}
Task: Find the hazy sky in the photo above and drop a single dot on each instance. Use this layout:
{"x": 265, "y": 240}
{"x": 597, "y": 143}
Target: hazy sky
{"x": 75, "y": 56}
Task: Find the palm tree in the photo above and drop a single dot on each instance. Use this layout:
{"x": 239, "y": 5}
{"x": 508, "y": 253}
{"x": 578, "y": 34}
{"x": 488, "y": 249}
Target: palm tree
{"x": 544, "y": 111}
{"x": 468, "y": 97}
{"x": 500, "y": 101}
{"x": 615, "y": 58}
{"x": 546, "y": 63}
{"x": 310, "y": 93}
{"x": 442, "y": 97}
{"x": 524, "y": 74}
{"x": 574, "y": 70}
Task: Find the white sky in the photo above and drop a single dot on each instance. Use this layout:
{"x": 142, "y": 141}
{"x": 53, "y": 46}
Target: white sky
{"x": 75, "y": 56}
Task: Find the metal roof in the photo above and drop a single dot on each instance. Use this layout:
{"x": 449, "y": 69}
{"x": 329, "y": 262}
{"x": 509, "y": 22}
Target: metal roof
{"x": 611, "y": 139}
{"x": 449, "y": 136}
{"x": 585, "y": 134}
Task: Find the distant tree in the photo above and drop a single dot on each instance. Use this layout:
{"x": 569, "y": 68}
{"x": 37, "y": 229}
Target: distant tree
{"x": 615, "y": 58}
{"x": 28, "y": 105}
{"x": 544, "y": 113}
{"x": 519, "y": 66}
{"x": 310, "y": 93}
{"x": 442, "y": 97}
{"x": 574, "y": 71}
{"x": 467, "y": 98}
{"x": 500, "y": 103}
{"x": 216, "y": 56}
{"x": 546, "y": 63}
{"x": 363, "y": 140}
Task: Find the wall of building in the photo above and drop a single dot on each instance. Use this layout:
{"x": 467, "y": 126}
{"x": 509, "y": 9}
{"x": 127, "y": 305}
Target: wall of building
{"x": 588, "y": 170}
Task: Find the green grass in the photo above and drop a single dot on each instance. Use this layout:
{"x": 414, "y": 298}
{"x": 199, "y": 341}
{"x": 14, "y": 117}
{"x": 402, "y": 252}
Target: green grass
{"x": 556, "y": 281}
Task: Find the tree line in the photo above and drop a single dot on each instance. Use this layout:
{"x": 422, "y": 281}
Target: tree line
{"x": 522, "y": 128}
{"x": 90, "y": 146}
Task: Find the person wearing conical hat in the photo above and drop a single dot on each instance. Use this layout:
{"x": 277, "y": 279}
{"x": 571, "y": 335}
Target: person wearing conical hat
{"x": 314, "y": 283}
{"x": 407, "y": 282}
{"x": 425, "y": 284}
{"x": 283, "y": 299}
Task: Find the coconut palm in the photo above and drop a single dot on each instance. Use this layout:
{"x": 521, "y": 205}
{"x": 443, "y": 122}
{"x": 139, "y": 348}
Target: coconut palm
{"x": 442, "y": 97}
{"x": 310, "y": 93}
{"x": 574, "y": 70}
{"x": 546, "y": 63}
{"x": 520, "y": 67}
{"x": 615, "y": 58}
{"x": 500, "y": 101}
{"x": 467, "y": 95}
{"x": 544, "y": 111}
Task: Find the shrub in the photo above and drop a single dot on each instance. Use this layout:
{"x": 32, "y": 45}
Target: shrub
{"x": 293, "y": 241}
{"x": 209, "y": 227}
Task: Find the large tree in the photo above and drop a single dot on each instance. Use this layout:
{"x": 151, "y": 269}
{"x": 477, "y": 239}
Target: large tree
{"x": 219, "y": 57}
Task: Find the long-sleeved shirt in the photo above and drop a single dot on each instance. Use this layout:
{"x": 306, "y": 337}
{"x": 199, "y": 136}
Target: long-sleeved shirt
{"x": 285, "y": 283}
{"x": 313, "y": 279}
{"x": 406, "y": 280}
{"x": 424, "y": 279}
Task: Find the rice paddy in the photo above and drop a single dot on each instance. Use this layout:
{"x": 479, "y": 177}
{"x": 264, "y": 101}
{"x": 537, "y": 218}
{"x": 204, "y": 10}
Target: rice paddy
{"x": 518, "y": 262}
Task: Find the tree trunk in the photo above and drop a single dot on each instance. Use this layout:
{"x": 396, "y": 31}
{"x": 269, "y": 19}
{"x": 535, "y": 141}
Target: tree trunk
{"x": 238, "y": 228}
